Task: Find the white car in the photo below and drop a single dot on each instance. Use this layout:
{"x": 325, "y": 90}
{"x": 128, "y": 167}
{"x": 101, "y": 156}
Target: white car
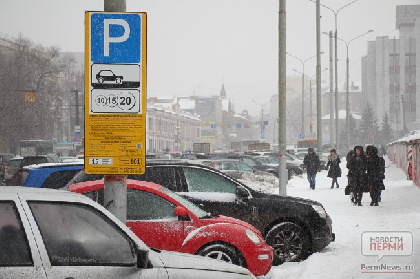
{"x": 47, "y": 233}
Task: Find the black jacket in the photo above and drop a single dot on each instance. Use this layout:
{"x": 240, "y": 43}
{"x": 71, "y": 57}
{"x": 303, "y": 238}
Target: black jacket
{"x": 312, "y": 163}
{"x": 357, "y": 164}
{"x": 374, "y": 165}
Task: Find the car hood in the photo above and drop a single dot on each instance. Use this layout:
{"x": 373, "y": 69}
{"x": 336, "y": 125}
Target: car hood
{"x": 285, "y": 198}
{"x": 187, "y": 261}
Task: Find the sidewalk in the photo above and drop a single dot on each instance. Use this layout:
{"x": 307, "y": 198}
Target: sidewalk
{"x": 398, "y": 211}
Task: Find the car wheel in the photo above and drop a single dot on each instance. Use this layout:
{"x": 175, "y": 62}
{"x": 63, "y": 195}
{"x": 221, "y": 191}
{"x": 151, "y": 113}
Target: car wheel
{"x": 101, "y": 80}
{"x": 118, "y": 80}
{"x": 222, "y": 252}
{"x": 289, "y": 243}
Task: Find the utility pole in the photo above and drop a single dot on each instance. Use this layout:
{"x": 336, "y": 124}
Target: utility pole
{"x": 115, "y": 186}
{"x": 282, "y": 99}
{"x": 331, "y": 92}
{"x": 318, "y": 77}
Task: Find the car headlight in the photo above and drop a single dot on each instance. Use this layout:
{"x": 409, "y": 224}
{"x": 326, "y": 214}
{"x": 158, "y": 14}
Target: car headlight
{"x": 320, "y": 210}
{"x": 253, "y": 237}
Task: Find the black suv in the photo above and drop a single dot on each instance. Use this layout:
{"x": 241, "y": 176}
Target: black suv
{"x": 294, "y": 227}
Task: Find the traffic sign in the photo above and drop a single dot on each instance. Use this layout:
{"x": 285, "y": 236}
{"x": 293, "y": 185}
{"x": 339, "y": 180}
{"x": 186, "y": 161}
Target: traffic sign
{"x": 301, "y": 135}
{"x": 115, "y": 93}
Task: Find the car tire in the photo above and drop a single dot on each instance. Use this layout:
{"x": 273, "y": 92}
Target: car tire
{"x": 222, "y": 252}
{"x": 118, "y": 80}
{"x": 101, "y": 80}
{"x": 289, "y": 242}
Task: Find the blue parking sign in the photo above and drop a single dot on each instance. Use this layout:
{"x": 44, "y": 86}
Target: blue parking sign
{"x": 115, "y": 38}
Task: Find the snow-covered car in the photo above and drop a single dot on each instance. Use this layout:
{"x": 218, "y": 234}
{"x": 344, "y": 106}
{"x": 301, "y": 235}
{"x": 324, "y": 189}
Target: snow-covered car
{"x": 294, "y": 227}
{"x": 46, "y": 233}
{"x": 167, "y": 221}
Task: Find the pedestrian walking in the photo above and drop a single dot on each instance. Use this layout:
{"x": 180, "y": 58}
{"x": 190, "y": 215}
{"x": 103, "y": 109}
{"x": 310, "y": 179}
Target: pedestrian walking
{"x": 311, "y": 162}
{"x": 349, "y": 188}
{"x": 375, "y": 167}
{"x": 357, "y": 167}
{"x": 334, "y": 170}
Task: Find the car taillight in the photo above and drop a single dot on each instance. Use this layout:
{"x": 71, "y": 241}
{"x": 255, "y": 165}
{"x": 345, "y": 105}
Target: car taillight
{"x": 6, "y": 168}
{"x": 212, "y": 165}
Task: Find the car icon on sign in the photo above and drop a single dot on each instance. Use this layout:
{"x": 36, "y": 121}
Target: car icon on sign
{"x": 108, "y": 75}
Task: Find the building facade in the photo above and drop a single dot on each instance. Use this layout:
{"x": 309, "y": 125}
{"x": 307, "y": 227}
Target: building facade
{"x": 390, "y": 80}
{"x": 170, "y": 129}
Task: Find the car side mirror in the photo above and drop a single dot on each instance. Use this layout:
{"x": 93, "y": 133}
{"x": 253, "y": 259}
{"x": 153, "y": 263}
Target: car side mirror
{"x": 143, "y": 259}
{"x": 180, "y": 211}
{"x": 242, "y": 192}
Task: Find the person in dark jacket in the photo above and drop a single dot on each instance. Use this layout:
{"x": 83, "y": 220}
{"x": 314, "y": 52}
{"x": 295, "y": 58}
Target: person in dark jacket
{"x": 349, "y": 155}
{"x": 357, "y": 167}
{"x": 334, "y": 167}
{"x": 311, "y": 162}
{"x": 374, "y": 173}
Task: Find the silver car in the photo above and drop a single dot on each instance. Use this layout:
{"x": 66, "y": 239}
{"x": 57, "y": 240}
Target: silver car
{"x": 47, "y": 233}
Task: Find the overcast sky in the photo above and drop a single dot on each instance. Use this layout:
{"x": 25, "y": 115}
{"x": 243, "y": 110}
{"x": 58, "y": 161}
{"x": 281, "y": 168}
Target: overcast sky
{"x": 196, "y": 45}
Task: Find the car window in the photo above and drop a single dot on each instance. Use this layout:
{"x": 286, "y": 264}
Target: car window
{"x": 263, "y": 160}
{"x": 159, "y": 175}
{"x": 14, "y": 163}
{"x": 59, "y": 179}
{"x": 33, "y": 161}
{"x": 249, "y": 161}
{"x": 77, "y": 234}
{"x": 273, "y": 161}
{"x": 200, "y": 180}
{"x": 228, "y": 166}
{"x": 14, "y": 247}
{"x": 243, "y": 167}
{"x": 148, "y": 206}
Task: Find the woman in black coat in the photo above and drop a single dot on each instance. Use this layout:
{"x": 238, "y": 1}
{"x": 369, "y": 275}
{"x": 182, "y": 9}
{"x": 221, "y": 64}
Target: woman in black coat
{"x": 357, "y": 167}
{"x": 334, "y": 170}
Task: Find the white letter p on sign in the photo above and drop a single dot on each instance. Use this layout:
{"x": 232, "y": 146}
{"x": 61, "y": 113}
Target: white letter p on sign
{"x": 108, "y": 39}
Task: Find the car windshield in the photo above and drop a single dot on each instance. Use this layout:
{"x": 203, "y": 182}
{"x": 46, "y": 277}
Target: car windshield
{"x": 200, "y": 213}
{"x": 249, "y": 161}
{"x": 14, "y": 163}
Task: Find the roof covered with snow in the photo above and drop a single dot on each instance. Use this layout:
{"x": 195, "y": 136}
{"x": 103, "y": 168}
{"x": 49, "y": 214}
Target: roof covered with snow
{"x": 412, "y": 135}
{"x": 342, "y": 115}
{"x": 186, "y": 104}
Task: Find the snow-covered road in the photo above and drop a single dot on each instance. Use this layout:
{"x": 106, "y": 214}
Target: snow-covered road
{"x": 398, "y": 211}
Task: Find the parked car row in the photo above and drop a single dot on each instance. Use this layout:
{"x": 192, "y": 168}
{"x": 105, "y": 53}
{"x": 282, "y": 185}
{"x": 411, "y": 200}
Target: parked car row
{"x": 293, "y": 227}
{"x": 276, "y": 217}
{"x": 57, "y": 234}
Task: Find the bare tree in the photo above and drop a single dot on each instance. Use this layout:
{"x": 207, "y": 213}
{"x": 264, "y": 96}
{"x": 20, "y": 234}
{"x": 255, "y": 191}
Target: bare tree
{"x": 30, "y": 67}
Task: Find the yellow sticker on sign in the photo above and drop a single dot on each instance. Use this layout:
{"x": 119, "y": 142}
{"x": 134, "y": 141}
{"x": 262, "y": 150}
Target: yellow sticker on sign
{"x": 115, "y": 93}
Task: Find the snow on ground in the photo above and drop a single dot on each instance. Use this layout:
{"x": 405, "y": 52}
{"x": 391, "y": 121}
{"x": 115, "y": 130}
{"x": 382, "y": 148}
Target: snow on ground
{"x": 398, "y": 211}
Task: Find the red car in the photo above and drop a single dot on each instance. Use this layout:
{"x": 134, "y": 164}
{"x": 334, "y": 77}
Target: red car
{"x": 167, "y": 221}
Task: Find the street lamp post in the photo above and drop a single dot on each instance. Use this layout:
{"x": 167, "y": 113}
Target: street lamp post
{"x": 262, "y": 118}
{"x": 310, "y": 101}
{"x": 336, "y": 61}
{"x": 347, "y": 85}
{"x": 303, "y": 87}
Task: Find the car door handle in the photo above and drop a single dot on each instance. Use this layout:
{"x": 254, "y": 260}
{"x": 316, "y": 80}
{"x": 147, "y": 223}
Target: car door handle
{"x": 189, "y": 227}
